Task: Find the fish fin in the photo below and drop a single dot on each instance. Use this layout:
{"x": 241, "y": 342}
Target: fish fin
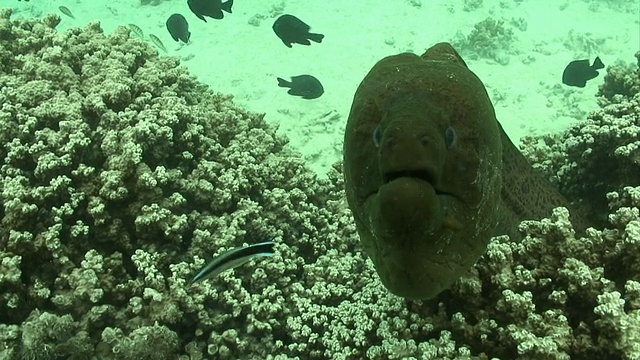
{"x": 315, "y": 37}
{"x": 283, "y": 83}
{"x": 227, "y": 6}
{"x": 597, "y": 63}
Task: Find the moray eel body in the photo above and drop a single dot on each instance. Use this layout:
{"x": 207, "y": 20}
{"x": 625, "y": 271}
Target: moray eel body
{"x": 430, "y": 175}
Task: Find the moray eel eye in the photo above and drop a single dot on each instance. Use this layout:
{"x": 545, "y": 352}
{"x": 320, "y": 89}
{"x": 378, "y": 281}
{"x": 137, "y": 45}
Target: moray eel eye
{"x": 450, "y": 137}
{"x": 377, "y": 136}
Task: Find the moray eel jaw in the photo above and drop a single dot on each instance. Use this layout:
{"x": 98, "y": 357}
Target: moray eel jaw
{"x": 424, "y": 206}
{"x": 403, "y": 243}
{"x": 401, "y": 256}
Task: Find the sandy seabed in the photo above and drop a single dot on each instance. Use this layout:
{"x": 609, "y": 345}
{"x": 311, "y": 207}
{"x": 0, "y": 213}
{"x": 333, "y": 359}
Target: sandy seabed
{"x": 241, "y": 55}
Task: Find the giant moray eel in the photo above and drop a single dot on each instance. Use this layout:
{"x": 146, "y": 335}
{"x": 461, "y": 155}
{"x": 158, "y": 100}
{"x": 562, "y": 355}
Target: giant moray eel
{"x": 430, "y": 175}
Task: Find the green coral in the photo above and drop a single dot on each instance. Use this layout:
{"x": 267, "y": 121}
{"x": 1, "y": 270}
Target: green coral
{"x": 583, "y": 44}
{"x": 153, "y": 342}
{"x": 490, "y": 39}
{"x": 46, "y": 335}
{"x": 150, "y": 2}
{"x": 118, "y": 170}
{"x": 471, "y": 5}
{"x": 117, "y": 189}
{"x": 621, "y": 79}
{"x": 600, "y": 154}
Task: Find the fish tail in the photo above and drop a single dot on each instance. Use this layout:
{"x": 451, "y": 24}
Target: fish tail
{"x": 597, "y": 63}
{"x": 284, "y": 83}
{"x": 316, "y": 37}
{"x": 227, "y": 6}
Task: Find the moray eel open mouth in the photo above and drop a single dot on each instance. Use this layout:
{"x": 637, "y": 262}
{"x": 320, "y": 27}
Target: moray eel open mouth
{"x": 417, "y": 174}
{"x": 413, "y": 225}
{"x": 445, "y": 198}
{"x": 407, "y": 205}
{"x": 414, "y": 174}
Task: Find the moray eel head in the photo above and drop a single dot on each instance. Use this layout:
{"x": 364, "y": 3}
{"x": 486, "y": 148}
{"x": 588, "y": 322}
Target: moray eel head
{"x": 422, "y": 167}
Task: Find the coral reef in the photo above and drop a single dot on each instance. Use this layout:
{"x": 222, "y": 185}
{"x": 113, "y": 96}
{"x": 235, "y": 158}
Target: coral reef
{"x": 471, "y": 5}
{"x": 490, "y": 39}
{"x": 121, "y": 174}
{"x": 583, "y": 44}
{"x": 273, "y": 11}
{"x": 150, "y": 2}
{"x": 621, "y": 79}
{"x": 600, "y": 154}
{"x": 622, "y": 6}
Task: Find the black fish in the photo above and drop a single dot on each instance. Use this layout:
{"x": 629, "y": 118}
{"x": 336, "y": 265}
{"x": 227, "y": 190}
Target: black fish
{"x": 290, "y": 29}
{"x": 578, "y": 72}
{"x": 210, "y": 8}
{"x": 306, "y": 86}
{"x": 178, "y": 28}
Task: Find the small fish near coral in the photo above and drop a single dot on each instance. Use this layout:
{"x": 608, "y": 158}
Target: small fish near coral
{"x": 578, "y": 72}
{"x": 157, "y": 42}
{"x": 290, "y": 30}
{"x": 209, "y": 8}
{"x": 65, "y": 10}
{"x": 305, "y": 86}
{"x": 233, "y": 258}
{"x": 136, "y": 30}
{"x": 178, "y": 28}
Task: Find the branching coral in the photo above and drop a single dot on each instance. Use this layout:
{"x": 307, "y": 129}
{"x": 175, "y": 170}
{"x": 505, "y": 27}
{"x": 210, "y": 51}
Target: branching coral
{"x": 622, "y": 80}
{"x": 584, "y": 44}
{"x": 490, "y": 38}
{"x": 119, "y": 170}
{"x": 600, "y": 154}
{"x": 121, "y": 176}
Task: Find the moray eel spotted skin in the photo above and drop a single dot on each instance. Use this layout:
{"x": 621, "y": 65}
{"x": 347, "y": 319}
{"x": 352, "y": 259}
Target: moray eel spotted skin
{"x": 430, "y": 175}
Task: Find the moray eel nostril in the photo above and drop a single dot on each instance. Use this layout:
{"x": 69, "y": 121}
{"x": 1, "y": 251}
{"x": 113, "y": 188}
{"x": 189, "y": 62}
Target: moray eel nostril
{"x": 430, "y": 175}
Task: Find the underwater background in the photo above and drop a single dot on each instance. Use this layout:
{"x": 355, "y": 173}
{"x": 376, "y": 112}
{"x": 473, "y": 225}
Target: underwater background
{"x": 518, "y": 48}
{"x": 125, "y": 167}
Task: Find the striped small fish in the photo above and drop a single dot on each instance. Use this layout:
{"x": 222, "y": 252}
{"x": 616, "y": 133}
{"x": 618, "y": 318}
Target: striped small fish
{"x": 233, "y": 258}
{"x": 156, "y": 41}
{"x": 65, "y": 10}
{"x": 135, "y": 29}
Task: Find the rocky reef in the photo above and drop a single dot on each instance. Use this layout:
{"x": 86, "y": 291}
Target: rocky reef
{"x": 121, "y": 175}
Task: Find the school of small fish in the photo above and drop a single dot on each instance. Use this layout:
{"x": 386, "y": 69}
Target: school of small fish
{"x": 288, "y": 28}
